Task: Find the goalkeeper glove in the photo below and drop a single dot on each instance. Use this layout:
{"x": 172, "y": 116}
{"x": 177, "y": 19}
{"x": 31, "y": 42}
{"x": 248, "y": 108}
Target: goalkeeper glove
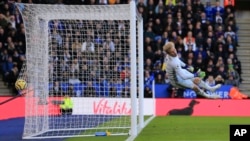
{"x": 200, "y": 74}
{"x": 190, "y": 68}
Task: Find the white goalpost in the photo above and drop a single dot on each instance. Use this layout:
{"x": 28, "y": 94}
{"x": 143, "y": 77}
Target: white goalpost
{"x": 91, "y": 55}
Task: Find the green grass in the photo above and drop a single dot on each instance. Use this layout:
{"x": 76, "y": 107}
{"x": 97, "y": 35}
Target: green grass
{"x": 181, "y": 128}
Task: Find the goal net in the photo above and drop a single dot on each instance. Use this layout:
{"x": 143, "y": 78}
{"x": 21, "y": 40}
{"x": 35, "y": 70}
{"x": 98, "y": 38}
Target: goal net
{"x": 84, "y": 68}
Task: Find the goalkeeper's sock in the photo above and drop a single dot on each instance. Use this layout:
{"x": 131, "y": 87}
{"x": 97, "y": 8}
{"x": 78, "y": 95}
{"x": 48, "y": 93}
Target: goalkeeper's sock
{"x": 216, "y": 87}
{"x": 204, "y": 85}
{"x": 204, "y": 94}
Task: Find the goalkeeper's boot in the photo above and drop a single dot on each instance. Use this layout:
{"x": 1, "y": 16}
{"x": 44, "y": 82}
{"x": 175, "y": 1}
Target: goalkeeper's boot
{"x": 210, "y": 96}
{"x": 214, "y": 96}
{"x": 214, "y": 88}
{"x": 202, "y": 93}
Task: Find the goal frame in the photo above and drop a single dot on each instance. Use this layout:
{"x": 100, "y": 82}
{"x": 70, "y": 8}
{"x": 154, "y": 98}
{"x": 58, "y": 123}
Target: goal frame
{"x": 42, "y": 19}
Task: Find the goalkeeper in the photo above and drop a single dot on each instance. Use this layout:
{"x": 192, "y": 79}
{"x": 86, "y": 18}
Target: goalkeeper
{"x": 180, "y": 77}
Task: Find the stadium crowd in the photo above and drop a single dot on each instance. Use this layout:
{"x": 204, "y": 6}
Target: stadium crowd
{"x": 205, "y": 36}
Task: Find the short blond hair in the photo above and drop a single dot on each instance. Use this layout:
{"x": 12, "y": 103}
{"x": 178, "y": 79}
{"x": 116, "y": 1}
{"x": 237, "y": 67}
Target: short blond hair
{"x": 168, "y": 46}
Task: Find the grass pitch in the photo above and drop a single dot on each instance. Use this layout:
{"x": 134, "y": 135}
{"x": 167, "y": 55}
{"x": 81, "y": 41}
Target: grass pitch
{"x": 181, "y": 128}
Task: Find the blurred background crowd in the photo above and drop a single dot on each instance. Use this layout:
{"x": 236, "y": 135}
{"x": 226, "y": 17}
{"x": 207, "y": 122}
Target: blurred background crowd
{"x": 95, "y": 52}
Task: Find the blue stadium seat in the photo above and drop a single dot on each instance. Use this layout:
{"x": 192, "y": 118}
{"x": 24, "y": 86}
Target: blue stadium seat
{"x": 64, "y": 86}
{"x": 119, "y": 88}
{"x": 104, "y": 85}
{"x": 78, "y": 88}
{"x": 97, "y": 87}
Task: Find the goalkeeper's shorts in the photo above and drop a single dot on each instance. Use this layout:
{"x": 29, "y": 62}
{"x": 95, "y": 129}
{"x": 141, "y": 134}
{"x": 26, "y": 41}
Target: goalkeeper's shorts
{"x": 183, "y": 83}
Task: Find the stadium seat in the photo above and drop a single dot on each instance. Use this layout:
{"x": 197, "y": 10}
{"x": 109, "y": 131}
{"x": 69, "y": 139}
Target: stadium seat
{"x": 64, "y": 86}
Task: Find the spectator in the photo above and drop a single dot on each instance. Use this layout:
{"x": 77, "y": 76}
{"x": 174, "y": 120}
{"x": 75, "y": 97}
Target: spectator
{"x": 151, "y": 5}
{"x": 180, "y": 31}
{"x": 170, "y": 2}
{"x": 218, "y": 8}
{"x": 166, "y": 79}
{"x": 209, "y": 71}
{"x": 11, "y": 77}
{"x": 2, "y": 35}
{"x": 218, "y": 18}
{"x": 75, "y": 68}
{"x": 230, "y": 33}
{"x": 159, "y": 79}
{"x": 199, "y": 63}
{"x": 222, "y": 72}
{"x": 229, "y": 3}
{"x": 158, "y": 27}
{"x": 170, "y": 5}
{"x": 159, "y": 56}
{"x": 112, "y": 91}
{"x": 180, "y": 46}
{"x": 189, "y": 54}
{"x": 231, "y": 81}
{"x": 198, "y": 6}
{"x": 57, "y": 37}
{"x": 88, "y": 46}
{"x": 148, "y": 92}
{"x": 90, "y": 90}
{"x": 209, "y": 10}
{"x": 12, "y": 21}
{"x": 190, "y": 63}
{"x": 220, "y": 62}
{"x": 142, "y": 10}
{"x": 125, "y": 75}
{"x": 148, "y": 78}
{"x": 219, "y": 31}
{"x": 160, "y": 7}
{"x": 204, "y": 21}
{"x": 109, "y": 44}
{"x": 158, "y": 43}
{"x": 3, "y": 20}
{"x": 56, "y": 90}
{"x": 126, "y": 92}
{"x": 103, "y": 2}
{"x": 18, "y": 19}
{"x": 199, "y": 40}
{"x": 230, "y": 45}
{"x": 71, "y": 91}
{"x": 219, "y": 80}
{"x": 189, "y": 41}
{"x": 209, "y": 45}
{"x": 220, "y": 51}
{"x": 149, "y": 33}
{"x": 236, "y": 63}
{"x": 7, "y": 66}
{"x": 165, "y": 37}
{"x": 210, "y": 80}
{"x": 179, "y": 6}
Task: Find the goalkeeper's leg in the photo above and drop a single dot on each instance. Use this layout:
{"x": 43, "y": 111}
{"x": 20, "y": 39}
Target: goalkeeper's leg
{"x": 204, "y": 94}
{"x": 198, "y": 81}
{"x": 204, "y": 85}
{"x": 192, "y": 84}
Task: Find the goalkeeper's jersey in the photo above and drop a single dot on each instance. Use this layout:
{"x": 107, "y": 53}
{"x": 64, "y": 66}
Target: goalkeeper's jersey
{"x": 175, "y": 70}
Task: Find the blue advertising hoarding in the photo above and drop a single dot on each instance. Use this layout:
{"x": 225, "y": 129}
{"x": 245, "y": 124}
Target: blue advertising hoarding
{"x": 161, "y": 91}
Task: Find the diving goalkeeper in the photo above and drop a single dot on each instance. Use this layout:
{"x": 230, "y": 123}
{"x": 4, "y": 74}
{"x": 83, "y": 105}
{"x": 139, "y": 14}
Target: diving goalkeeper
{"x": 181, "y": 78}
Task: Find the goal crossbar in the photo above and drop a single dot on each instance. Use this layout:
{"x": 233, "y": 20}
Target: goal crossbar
{"x": 90, "y": 12}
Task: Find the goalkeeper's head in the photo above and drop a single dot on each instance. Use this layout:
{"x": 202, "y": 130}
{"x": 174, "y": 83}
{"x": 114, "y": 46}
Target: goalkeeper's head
{"x": 169, "y": 48}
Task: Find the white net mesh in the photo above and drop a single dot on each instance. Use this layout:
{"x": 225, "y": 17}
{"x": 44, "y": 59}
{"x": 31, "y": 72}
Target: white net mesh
{"x": 81, "y": 53}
